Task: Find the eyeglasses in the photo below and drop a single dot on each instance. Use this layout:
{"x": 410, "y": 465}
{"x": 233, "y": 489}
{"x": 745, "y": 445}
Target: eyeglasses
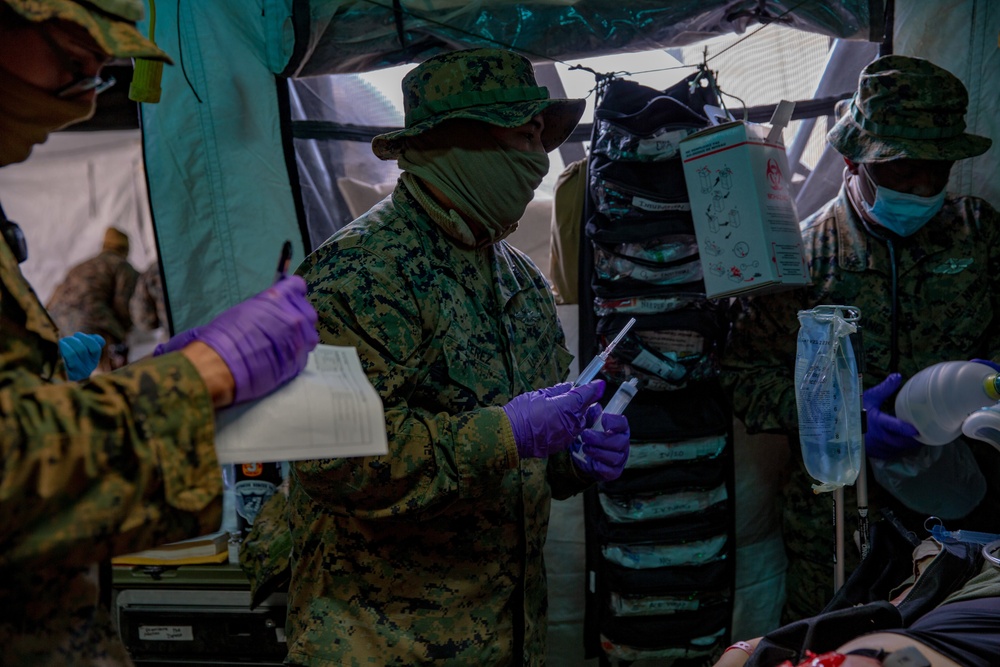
{"x": 81, "y": 83}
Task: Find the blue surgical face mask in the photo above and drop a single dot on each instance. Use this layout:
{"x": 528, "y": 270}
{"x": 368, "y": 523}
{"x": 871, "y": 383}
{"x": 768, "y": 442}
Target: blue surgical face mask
{"x": 901, "y": 212}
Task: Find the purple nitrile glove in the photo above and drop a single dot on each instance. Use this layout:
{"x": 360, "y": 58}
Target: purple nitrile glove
{"x": 603, "y": 454}
{"x": 547, "y": 420}
{"x": 265, "y": 340}
{"x": 992, "y": 364}
{"x": 181, "y": 340}
{"x": 81, "y": 353}
{"x": 887, "y": 436}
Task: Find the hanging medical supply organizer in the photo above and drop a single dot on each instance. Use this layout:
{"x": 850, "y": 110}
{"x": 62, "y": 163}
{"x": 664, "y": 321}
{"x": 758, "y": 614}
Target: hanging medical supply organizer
{"x": 660, "y": 539}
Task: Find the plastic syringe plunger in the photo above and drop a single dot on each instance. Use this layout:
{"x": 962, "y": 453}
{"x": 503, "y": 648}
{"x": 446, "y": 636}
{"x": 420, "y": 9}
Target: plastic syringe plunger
{"x": 597, "y": 363}
{"x": 618, "y": 402}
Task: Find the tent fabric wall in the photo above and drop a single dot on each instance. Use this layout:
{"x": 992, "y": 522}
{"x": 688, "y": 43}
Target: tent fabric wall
{"x": 962, "y": 37}
{"x": 72, "y": 188}
{"x": 357, "y": 35}
{"x": 218, "y": 181}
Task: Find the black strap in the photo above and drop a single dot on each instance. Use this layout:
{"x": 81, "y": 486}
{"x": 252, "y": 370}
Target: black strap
{"x": 14, "y": 237}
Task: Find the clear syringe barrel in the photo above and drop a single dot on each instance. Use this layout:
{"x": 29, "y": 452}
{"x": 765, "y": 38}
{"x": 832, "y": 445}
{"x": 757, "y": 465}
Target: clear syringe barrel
{"x": 619, "y": 401}
{"x": 591, "y": 371}
{"x": 597, "y": 363}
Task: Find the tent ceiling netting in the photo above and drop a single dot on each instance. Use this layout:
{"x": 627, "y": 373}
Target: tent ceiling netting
{"x": 338, "y": 36}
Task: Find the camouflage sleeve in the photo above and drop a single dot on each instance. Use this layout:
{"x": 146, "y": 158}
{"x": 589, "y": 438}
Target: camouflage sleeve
{"x": 142, "y": 305}
{"x": 758, "y": 367}
{"x": 434, "y": 457}
{"x": 122, "y": 462}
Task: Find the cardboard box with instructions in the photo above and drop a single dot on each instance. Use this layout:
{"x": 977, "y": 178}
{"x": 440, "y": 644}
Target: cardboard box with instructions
{"x": 745, "y": 221}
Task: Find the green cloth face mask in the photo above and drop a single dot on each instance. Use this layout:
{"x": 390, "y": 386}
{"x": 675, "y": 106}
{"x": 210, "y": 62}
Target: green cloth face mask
{"x": 490, "y": 184}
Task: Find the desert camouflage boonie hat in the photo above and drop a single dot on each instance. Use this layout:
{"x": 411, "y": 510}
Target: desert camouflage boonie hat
{"x": 110, "y": 22}
{"x": 494, "y": 86}
{"x": 906, "y": 108}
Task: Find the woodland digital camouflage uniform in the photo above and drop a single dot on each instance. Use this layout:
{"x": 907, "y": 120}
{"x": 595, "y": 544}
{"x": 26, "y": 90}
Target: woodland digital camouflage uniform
{"x": 116, "y": 465}
{"x": 147, "y": 306}
{"x": 434, "y": 551}
{"x": 94, "y": 298}
{"x": 949, "y": 308}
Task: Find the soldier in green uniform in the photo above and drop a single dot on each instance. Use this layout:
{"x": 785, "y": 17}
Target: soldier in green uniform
{"x": 124, "y": 461}
{"x": 94, "y": 298}
{"x": 433, "y": 552}
{"x": 921, "y": 266}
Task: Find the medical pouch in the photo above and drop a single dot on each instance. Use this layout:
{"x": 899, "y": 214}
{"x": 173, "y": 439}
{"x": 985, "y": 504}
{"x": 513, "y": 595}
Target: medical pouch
{"x": 602, "y": 229}
{"x": 655, "y": 631}
{"x": 698, "y": 411}
{"x": 683, "y": 604}
{"x": 650, "y": 304}
{"x": 827, "y": 396}
{"x": 628, "y": 192}
{"x": 665, "y": 352}
{"x": 651, "y": 134}
{"x": 664, "y": 260}
{"x": 664, "y": 505}
{"x": 706, "y": 474}
{"x": 653, "y": 454}
{"x": 668, "y": 651}
{"x": 640, "y": 556}
{"x": 668, "y": 580}
{"x": 661, "y": 532}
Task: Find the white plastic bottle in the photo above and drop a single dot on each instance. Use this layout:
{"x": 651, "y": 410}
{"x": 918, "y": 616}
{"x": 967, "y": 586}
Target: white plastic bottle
{"x": 939, "y": 398}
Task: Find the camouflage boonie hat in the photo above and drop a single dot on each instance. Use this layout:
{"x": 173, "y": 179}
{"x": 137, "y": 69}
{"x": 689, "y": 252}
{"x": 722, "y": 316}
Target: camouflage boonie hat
{"x": 494, "y": 86}
{"x": 906, "y": 108}
{"x": 110, "y": 22}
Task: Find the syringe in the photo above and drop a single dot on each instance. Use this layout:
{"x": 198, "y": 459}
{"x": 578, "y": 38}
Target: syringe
{"x": 597, "y": 363}
{"x": 626, "y": 392}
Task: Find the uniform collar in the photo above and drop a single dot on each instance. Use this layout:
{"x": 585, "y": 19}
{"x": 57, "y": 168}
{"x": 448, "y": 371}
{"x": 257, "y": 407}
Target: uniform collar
{"x": 854, "y": 251}
{"x": 493, "y": 263}
{"x": 857, "y": 247}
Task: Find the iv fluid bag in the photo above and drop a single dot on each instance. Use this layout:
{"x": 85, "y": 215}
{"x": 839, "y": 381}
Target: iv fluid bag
{"x": 828, "y": 398}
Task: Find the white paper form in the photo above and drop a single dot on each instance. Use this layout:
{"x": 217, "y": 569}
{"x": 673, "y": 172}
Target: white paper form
{"x": 329, "y": 410}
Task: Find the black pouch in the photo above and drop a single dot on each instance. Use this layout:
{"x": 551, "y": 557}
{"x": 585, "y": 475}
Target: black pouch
{"x": 665, "y": 352}
{"x": 623, "y": 96}
{"x": 712, "y": 576}
{"x": 684, "y": 530}
{"x": 701, "y": 475}
{"x": 625, "y": 191}
{"x": 664, "y": 260}
{"x": 651, "y": 134}
{"x": 698, "y": 411}
{"x": 602, "y": 229}
{"x": 644, "y": 455}
{"x": 657, "y": 632}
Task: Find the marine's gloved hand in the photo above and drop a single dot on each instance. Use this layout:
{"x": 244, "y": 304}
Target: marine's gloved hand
{"x": 603, "y": 454}
{"x": 887, "y": 436}
{"x": 81, "y": 353}
{"x": 265, "y": 340}
{"x": 992, "y": 364}
{"x": 178, "y": 342}
{"x": 548, "y": 420}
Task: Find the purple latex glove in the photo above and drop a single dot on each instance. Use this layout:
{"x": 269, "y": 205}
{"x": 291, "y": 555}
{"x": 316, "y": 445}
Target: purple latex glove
{"x": 548, "y": 420}
{"x": 603, "y": 454}
{"x": 887, "y": 436}
{"x": 180, "y": 341}
{"x": 264, "y": 340}
{"x": 992, "y": 364}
